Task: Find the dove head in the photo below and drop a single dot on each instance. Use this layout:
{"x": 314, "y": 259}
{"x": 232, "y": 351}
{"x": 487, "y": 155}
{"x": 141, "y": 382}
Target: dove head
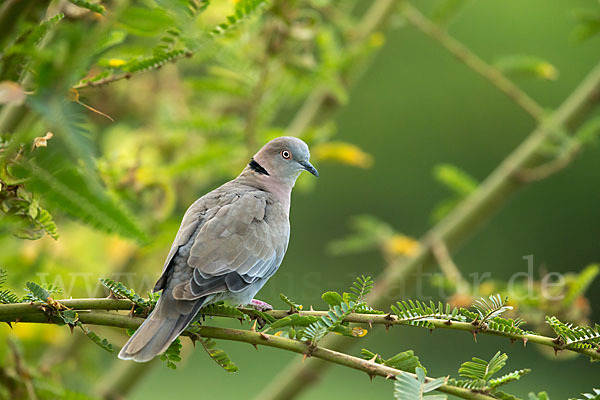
{"x": 278, "y": 164}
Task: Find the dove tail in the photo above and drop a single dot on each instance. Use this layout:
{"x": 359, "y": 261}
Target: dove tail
{"x": 169, "y": 318}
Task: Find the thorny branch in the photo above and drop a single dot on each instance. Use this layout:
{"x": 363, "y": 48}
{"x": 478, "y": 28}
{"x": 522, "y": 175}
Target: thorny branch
{"x": 90, "y": 309}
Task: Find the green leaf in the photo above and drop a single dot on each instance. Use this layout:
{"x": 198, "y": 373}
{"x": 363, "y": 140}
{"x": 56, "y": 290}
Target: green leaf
{"x": 455, "y": 179}
{"x": 220, "y": 309}
{"x": 588, "y": 24}
{"x": 572, "y": 334}
{"x": 122, "y": 291}
{"x": 95, "y": 7}
{"x": 218, "y": 356}
{"x": 527, "y": 66}
{"x": 590, "y": 396}
{"x": 589, "y": 131}
{"x": 8, "y": 297}
{"x": 172, "y": 354}
{"x": 72, "y": 191}
{"x": 332, "y": 298}
{"x": 444, "y": 10}
{"x": 491, "y": 307}
{"x": 360, "y": 288}
{"x": 510, "y": 377}
{"x": 44, "y": 219}
{"x": 293, "y": 305}
{"x": 70, "y": 317}
{"x": 146, "y": 21}
{"x": 479, "y": 369}
{"x": 36, "y": 292}
{"x": 406, "y": 387}
{"x": 294, "y": 320}
{"x": 103, "y": 343}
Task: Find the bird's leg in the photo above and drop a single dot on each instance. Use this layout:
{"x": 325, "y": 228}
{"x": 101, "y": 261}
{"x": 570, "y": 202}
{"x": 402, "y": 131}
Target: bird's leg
{"x": 261, "y": 305}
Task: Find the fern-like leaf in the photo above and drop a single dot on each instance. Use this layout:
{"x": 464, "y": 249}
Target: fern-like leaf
{"x": 590, "y": 396}
{"x": 244, "y": 9}
{"x": 293, "y": 305}
{"x": 36, "y": 292}
{"x": 103, "y": 343}
{"x": 416, "y": 313}
{"x": 327, "y": 323}
{"x": 571, "y": 334}
{"x": 510, "y": 377}
{"x": 219, "y": 356}
{"x": 172, "y": 354}
{"x": 491, "y": 308}
{"x": 479, "y": 369}
{"x": 95, "y": 7}
{"x": 220, "y": 309}
{"x": 406, "y": 387}
{"x": 360, "y": 288}
{"x": 404, "y": 361}
{"x": 122, "y": 291}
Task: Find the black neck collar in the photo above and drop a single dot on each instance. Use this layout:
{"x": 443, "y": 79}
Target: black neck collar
{"x": 256, "y": 167}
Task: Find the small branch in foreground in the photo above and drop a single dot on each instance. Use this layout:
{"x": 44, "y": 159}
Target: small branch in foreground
{"x": 460, "y": 51}
{"x": 254, "y": 338}
{"x": 33, "y": 312}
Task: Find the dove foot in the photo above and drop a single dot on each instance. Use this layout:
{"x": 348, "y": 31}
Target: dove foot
{"x": 261, "y": 305}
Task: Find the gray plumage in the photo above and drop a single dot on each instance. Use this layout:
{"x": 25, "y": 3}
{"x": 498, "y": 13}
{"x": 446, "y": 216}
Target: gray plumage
{"x": 230, "y": 242}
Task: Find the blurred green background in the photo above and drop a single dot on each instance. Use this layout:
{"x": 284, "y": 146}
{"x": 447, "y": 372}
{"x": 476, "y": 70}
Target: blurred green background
{"x": 415, "y": 107}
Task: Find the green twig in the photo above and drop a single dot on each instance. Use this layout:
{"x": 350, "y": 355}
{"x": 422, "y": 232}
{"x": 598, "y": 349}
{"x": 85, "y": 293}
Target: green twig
{"x": 254, "y": 338}
{"x": 460, "y": 51}
{"x": 34, "y": 312}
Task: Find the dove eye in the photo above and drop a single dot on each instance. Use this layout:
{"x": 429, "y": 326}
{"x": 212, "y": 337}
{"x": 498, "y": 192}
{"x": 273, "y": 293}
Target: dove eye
{"x": 286, "y": 154}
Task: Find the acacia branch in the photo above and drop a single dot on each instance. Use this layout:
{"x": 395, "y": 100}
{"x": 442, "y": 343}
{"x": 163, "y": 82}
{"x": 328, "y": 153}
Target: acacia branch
{"x": 36, "y": 312}
{"x": 462, "y": 53}
{"x": 95, "y": 317}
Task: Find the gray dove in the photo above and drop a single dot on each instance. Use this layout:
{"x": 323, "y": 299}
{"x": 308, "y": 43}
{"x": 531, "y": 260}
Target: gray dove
{"x": 230, "y": 242}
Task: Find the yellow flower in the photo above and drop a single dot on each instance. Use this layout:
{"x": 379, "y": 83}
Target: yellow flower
{"x": 547, "y": 71}
{"x": 377, "y": 39}
{"x": 359, "y": 332}
{"x": 344, "y": 153}
{"x": 116, "y": 62}
{"x": 401, "y": 245}
{"x": 486, "y": 289}
{"x": 278, "y": 333}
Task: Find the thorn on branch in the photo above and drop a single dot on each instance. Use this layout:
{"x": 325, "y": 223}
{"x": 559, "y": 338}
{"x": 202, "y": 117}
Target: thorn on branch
{"x": 474, "y": 336}
{"x": 390, "y": 376}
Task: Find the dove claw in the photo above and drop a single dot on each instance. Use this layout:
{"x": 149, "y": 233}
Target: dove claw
{"x": 261, "y": 305}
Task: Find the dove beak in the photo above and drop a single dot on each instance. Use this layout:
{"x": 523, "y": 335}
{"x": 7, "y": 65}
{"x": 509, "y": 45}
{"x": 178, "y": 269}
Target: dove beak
{"x": 308, "y": 167}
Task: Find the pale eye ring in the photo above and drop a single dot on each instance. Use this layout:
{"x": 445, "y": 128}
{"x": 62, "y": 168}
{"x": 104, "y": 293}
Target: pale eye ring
{"x": 286, "y": 154}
